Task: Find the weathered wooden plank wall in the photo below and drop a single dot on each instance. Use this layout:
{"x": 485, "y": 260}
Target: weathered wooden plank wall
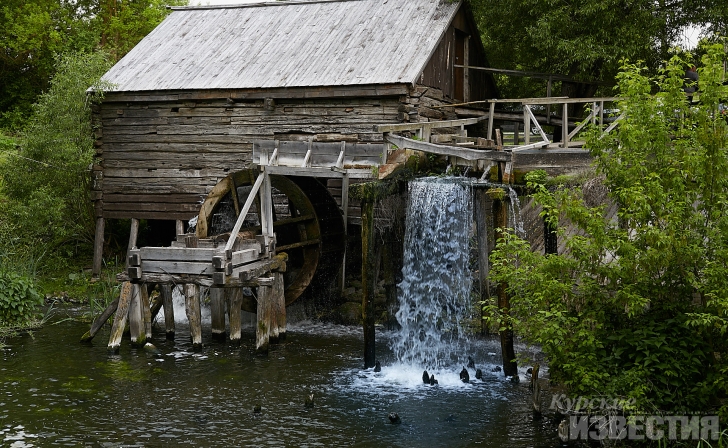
{"x": 159, "y": 159}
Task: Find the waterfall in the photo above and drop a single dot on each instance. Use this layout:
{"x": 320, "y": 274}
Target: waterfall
{"x": 434, "y": 297}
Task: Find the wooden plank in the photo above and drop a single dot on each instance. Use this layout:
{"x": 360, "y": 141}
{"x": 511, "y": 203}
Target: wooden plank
{"x": 146, "y": 311}
{"x": 177, "y": 267}
{"x": 463, "y": 153}
{"x": 238, "y": 258}
{"x": 98, "y": 247}
{"x": 198, "y": 254}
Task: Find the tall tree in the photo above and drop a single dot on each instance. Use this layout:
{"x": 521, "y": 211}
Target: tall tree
{"x": 584, "y": 39}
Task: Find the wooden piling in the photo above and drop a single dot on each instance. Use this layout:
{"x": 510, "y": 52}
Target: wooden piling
{"x": 500, "y": 223}
{"x": 481, "y": 225}
{"x": 235, "y": 301}
{"x": 136, "y": 317}
{"x": 117, "y": 328}
{"x": 217, "y": 312}
{"x": 98, "y": 247}
{"x": 146, "y": 311}
{"x": 194, "y": 317}
{"x": 370, "y": 256}
{"x": 165, "y": 291}
{"x": 278, "y": 330}
{"x": 262, "y": 330}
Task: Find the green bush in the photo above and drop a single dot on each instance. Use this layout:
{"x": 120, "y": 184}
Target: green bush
{"x": 18, "y": 300}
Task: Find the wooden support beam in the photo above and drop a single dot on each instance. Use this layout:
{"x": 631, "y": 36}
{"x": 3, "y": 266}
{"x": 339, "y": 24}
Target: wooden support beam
{"x": 263, "y": 314}
{"x": 194, "y": 317}
{"x": 165, "y": 292}
{"x": 463, "y": 153}
{"x": 98, "y": 247}
{"x": 235, "y": 302}
{"x": 136, "y": 317}
{"x": 180, "y": 227}
{"x": 217, "y": 312}
{"x": 122, "y": 311}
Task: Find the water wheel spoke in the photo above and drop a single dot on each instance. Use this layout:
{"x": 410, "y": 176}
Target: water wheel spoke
{"x": 297, "y": 219}
{"x": 297, "y": 245}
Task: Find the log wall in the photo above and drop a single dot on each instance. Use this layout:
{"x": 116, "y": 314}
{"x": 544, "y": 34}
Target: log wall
{"x": 159, "y": 154}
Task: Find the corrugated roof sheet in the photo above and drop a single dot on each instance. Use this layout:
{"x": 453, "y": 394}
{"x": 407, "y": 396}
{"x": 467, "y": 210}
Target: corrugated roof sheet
{"x": 286, "y": 44}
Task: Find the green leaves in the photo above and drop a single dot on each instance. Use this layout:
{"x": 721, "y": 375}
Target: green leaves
{"x": 638, "y": 305}
{"x": 18, "y": 299}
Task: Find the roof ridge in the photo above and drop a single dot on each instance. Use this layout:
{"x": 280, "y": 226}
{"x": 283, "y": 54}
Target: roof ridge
{"x": 257, "y": 5}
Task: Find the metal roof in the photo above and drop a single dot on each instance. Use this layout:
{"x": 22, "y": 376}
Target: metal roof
{"x": 286, "y": 44}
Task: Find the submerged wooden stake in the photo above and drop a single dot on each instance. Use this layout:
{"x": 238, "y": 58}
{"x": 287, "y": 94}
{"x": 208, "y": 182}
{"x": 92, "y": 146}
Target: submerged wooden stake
{"x": 194, "y": 317}
{"x": 117, "y": 329}
{"x": 165, "y": 291}
{"x": 98, "y": 248}
{"x": 217, "y": 312}
{"x": 100, "y": 321}
{"x": 235, "y": 302}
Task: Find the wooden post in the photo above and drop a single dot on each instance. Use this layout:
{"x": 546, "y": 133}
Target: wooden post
{"x": 466, "y": 70}
{"x": 482, "y": 235}
{"x": 217, "y": 312}
{"x": 526, "y": 125}
{"x": 235, "y": 301}
{"x": 262, "y": 330}
{"x": 345, "y": 209}
{"x": 491, "y": 112}
{"x": 146, "y": 311}
{"x": 165, "y": 291}
{"x": 370, "y": 254}
{"x": 500, "y": 222}
{"x": 536, "y": 390}
{"x": 194, "y": 317}
{"x": 565, "y": 126}
{"x": 278, "y": 331}
{"x": 180, "y": 226}
{"x": 117, "y": 329}
{"x": 516, "y": 133}
{"x": 136, "y": 317}
{"x": 98, "y": 247}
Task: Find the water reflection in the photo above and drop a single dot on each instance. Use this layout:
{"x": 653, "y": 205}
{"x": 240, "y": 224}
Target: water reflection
{"x": 57, "y": 392}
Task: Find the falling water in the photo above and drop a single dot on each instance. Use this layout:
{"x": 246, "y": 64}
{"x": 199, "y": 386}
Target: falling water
{"x": 515, "y": 220}
{"x": 435, "y": 290}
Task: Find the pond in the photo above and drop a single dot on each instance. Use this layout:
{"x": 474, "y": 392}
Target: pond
{"x": 55, "y": 391}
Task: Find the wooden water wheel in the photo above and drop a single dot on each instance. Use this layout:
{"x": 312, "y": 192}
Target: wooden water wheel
{"x": 308, "y": 224}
